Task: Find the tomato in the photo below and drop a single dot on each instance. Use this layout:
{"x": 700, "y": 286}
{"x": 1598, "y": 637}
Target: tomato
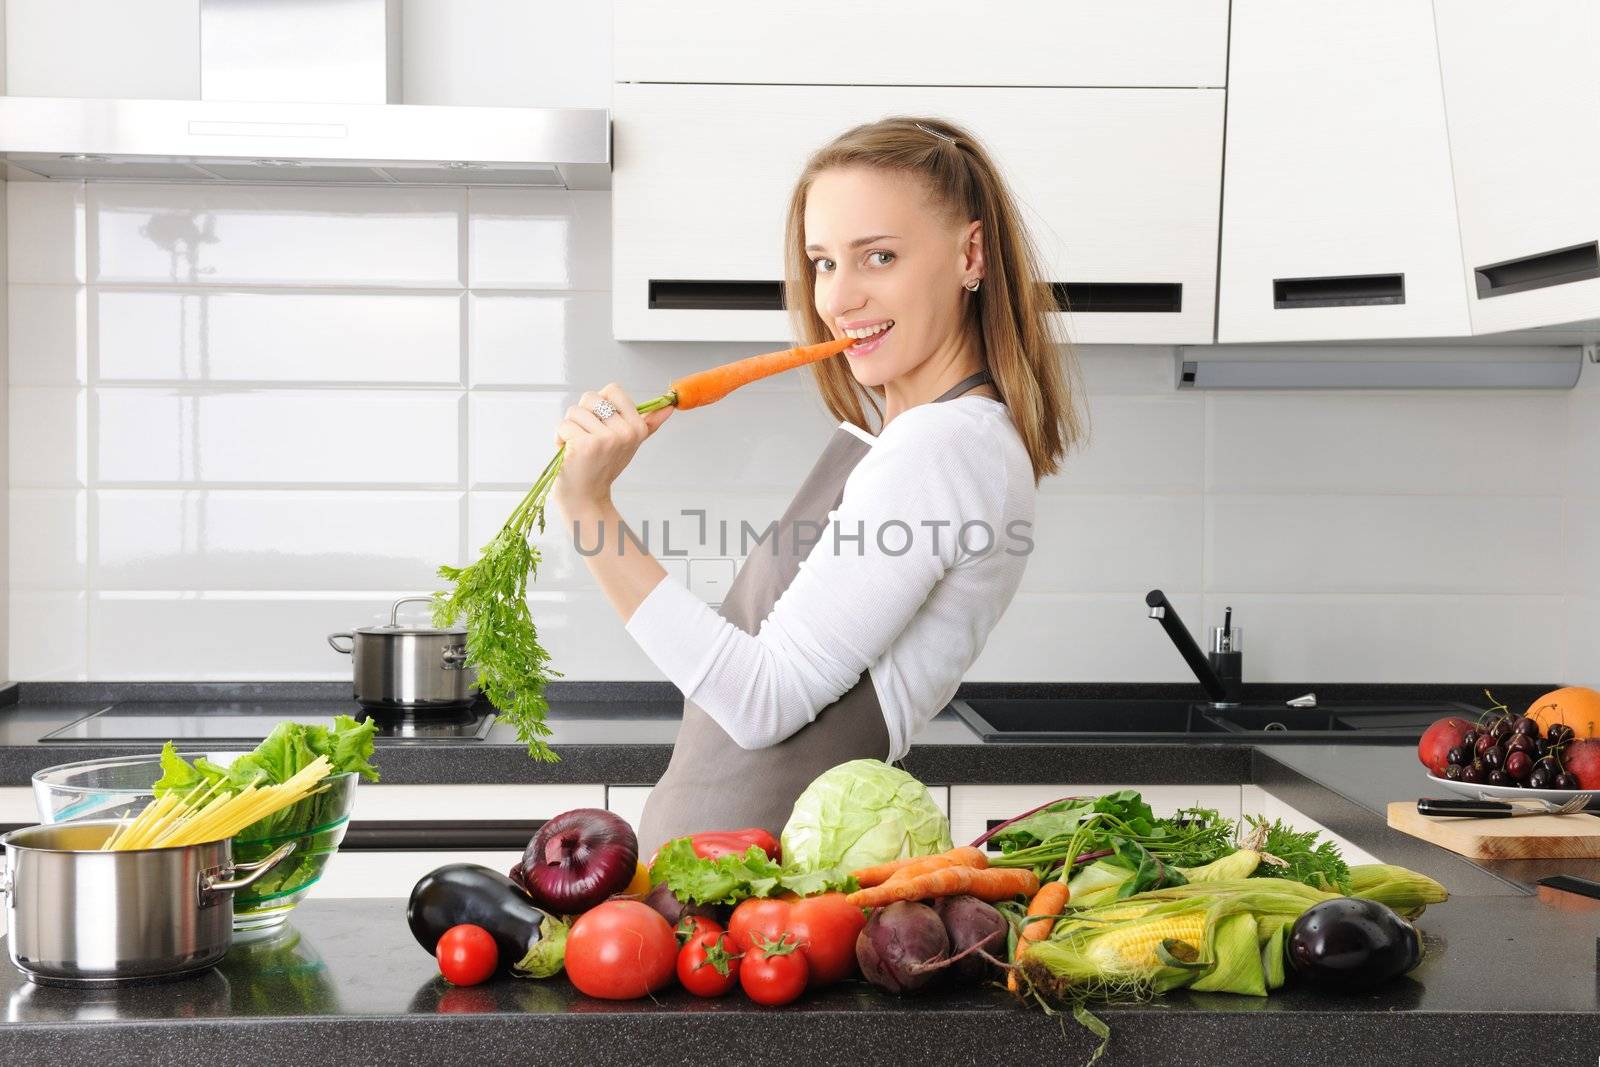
{"x": 823, "y": 927}
{"x": 706, "y": 965}
{"x": 773, "y": 972}
{"x": 826, "y": 928}
{"x": 691, "y": 926}
{"x": 620, "y": 949}
{"x": 467, "y": 954}
{"x": 758, "y": 915}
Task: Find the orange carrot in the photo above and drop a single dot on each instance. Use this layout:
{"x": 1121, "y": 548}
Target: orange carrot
{"x": 707, "y": 386}
{"x": 989, "y": 884}
{"x": 1047, "y": 902}
{"x": 1003, "y": 883}
{"x": 882, "y": 872}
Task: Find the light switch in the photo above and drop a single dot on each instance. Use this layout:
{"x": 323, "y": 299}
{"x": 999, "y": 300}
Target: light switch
{"x": 677, "y": 569}
{"x": 709, "y": 579}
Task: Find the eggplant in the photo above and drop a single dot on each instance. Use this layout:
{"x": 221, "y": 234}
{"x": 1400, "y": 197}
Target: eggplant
{"x": 1351, "y": 944}
{"x": 532, "y": 942}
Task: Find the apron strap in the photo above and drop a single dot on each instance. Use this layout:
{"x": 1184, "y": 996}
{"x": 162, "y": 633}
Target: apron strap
{"x": 964, "y": 385}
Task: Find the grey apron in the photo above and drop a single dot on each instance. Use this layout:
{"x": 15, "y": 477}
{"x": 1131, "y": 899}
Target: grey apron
{"x": 713, "y": 784}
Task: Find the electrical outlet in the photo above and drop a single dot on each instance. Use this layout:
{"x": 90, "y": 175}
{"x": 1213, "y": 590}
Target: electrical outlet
{"x": 710, "y": 578}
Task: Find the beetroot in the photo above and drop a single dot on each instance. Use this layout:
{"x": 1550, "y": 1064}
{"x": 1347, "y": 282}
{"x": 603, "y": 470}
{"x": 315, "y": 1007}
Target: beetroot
{"x": 673, "y": 910}
{"x": 902, "y": 947}
{"x": 975, "y": 925}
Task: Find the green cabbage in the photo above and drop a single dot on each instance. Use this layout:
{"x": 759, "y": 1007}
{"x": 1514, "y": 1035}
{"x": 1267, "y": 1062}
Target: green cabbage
{"x": 863, "y": 813}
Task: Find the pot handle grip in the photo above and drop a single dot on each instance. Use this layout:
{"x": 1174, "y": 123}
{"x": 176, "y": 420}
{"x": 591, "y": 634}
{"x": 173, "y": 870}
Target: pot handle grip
{"x": 215, "y": 883}
{"x": 333, "y": 641}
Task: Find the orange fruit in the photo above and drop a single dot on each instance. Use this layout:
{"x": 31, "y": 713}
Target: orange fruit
{"x": 639, "y": 885}
{"x": 1575, "y": 705}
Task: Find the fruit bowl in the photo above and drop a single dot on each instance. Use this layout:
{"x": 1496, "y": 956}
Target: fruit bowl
{"x": 1483, "y": 791}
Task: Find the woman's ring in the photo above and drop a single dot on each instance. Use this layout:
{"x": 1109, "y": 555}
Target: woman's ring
{"x": 604, "y": 409}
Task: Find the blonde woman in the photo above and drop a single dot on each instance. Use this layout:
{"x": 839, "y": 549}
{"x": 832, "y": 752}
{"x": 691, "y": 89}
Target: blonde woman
{"x": 914, "y": 536}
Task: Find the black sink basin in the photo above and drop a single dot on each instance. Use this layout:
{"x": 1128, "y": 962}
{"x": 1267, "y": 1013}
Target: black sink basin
{"x": 1013, "y": 719}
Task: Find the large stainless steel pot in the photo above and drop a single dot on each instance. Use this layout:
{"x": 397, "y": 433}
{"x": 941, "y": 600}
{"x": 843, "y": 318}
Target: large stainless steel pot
{"x": 409, "y": 666}
{"x": 82, "y": 917}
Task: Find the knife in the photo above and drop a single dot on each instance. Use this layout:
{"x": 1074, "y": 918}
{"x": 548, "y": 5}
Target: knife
{"x": 1482, "y": 809}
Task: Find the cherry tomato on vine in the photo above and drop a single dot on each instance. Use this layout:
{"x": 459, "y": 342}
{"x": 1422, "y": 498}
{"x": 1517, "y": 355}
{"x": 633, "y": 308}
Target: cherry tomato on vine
{"x": 773, "y": 972}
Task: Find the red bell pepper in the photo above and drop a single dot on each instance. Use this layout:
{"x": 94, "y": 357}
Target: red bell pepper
{"x": 711, "y": 844}
{"x": 714, "y": 843}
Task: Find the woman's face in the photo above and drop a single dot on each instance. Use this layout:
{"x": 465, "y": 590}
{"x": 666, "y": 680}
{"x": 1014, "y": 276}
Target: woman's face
{"x": 881, "y": 254}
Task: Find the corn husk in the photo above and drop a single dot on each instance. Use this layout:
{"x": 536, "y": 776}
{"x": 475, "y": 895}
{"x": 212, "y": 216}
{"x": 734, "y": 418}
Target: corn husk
{"x": 1241, "y": 863}
{"x": 1404, "y": 890}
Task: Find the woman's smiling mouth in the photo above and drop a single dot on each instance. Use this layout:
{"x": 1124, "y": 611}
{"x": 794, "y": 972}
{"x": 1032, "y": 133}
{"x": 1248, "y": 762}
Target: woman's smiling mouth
{"x": 868, "y": 338}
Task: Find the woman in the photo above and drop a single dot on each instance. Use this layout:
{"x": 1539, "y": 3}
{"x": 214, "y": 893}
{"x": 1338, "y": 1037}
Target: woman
{"x": 899, "y": 232}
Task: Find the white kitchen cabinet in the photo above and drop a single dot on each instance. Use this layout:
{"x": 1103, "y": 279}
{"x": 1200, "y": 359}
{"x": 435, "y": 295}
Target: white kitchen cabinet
{"x": 1119, "y": 189}
{"x": 628, "y": 801}
{"x": 1338, "y": 216}
{"x": 17, "y": 805}
{"x": 1522, "y": 94}
{"x": 393, "y": 874}
{"x": 976, "y": 808}
{"x": 1257, "y": 801}
{"x": 481, "y": 802}
{"x": 1179, "y": 43}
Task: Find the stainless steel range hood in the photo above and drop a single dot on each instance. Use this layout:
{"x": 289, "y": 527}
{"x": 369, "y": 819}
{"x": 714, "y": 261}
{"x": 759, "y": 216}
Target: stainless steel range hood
{"x": 302, "y": 91}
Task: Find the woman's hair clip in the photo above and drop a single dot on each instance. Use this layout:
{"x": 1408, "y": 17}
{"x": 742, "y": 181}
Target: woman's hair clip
{"x": 936, "y": 133}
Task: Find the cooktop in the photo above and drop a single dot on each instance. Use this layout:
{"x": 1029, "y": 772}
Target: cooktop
{"x": 150, "y": 720}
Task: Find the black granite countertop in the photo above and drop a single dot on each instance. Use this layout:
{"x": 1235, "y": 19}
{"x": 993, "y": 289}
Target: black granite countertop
{"x": 1510, "y": 975}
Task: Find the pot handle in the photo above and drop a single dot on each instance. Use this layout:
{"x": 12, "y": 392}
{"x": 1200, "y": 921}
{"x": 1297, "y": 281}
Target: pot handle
{"x": 213, "y": 882}
{"x": 332, "y": 640}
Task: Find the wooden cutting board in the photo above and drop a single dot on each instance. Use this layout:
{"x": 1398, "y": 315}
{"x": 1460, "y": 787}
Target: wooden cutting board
{"x": 1524, "y": 837}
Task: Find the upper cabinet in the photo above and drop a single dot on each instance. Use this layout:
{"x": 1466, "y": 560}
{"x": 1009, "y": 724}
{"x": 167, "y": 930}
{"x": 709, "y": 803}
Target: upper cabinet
{"x": 1338, "y": 217}
{"x": 1119, "y": 189}
{"x": 1164, "y": 43}
{"x": 1522, "y": 95}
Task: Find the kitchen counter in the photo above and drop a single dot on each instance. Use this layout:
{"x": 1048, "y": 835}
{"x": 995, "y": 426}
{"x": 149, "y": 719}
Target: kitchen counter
{"x": 1510, "y": 975}
{"x": 1511, "y": 980}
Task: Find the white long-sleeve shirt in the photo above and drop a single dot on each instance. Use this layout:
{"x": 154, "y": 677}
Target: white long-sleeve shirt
{"x": 952, "y": 483}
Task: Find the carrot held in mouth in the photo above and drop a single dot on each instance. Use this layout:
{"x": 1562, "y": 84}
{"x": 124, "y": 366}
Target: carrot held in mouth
{"x": 502, "y": 644}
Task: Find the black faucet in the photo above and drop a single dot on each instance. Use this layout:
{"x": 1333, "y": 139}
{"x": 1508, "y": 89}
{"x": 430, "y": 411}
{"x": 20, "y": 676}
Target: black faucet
{"x": 1221, "y": 673}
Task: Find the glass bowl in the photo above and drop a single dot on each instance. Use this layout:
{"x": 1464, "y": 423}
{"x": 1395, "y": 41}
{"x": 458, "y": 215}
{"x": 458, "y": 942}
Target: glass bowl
{"x": 123, "y": 785}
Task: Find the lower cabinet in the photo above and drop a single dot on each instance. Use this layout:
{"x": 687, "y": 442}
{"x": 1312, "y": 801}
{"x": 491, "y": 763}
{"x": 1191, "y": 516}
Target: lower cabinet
{"x": 398, "y": 833}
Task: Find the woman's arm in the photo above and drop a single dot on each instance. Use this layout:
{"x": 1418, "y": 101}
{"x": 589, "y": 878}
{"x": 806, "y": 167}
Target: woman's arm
{"x": 848, "y": 603}
{"x": 598, "y": 451}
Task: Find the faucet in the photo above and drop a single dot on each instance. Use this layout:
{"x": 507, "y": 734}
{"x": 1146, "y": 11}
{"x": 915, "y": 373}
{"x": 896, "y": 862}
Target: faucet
{"x": 1221, "y": 674}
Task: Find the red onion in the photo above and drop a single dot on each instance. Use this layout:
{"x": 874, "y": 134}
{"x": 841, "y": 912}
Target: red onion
{"x": 578, "y": 859}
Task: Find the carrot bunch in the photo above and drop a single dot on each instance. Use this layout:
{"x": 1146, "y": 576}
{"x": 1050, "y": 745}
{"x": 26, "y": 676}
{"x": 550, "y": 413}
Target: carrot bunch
{"x": 948, "y": 874}
{"x": 502, "y": 643}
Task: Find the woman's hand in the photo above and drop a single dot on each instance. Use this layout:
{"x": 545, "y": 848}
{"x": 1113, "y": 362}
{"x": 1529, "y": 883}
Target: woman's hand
{"x": 597, "y": 451}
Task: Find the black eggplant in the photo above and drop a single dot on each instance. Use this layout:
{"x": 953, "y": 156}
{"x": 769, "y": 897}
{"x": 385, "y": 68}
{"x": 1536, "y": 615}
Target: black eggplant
{"x": 531, "y": 941}
{"x": 1351, "y": 944}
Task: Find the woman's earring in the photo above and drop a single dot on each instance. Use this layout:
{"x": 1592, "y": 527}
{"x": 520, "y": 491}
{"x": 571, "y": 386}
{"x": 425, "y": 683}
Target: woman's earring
{"x": 972, "y": 286}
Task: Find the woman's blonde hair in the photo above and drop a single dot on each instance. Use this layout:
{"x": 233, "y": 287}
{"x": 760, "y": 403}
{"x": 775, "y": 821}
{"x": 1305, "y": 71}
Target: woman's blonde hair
{"x": 1011, "y": 312}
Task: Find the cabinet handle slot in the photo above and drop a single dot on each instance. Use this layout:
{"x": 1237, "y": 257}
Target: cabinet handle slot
{"x": 1575, "y": 264}
{"x": 439, "y": 835}
{"x": 1113, "y": 297}
{"x": 1348, "y": 290}
{"x": 701, "y": 295}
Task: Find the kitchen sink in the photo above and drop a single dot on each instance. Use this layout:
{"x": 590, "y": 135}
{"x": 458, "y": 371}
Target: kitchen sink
{"x": 1015, "y": 719}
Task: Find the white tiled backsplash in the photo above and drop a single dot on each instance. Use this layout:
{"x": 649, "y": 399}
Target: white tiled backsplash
{"x": 241, "y": 418}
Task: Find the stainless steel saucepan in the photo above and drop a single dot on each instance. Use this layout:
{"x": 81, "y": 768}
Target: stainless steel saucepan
{"x": 409, "y": 667}
{"x": 79, "y": 916}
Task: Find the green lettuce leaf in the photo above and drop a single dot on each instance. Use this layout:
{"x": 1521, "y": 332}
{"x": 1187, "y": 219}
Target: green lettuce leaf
{"x": 735, "y": 876}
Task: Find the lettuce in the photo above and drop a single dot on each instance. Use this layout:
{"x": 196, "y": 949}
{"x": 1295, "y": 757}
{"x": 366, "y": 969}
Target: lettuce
{"x": 287, "y": 750}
